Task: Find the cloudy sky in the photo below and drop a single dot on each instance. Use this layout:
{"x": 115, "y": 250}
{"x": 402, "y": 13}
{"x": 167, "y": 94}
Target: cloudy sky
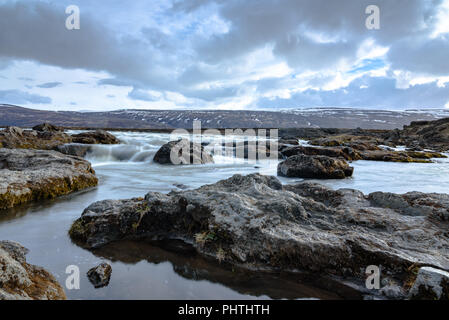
{"x": 224, "y": 54}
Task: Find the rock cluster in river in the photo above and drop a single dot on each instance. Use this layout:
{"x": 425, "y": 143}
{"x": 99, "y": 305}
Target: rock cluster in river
{"x": 184, "y": 152}
{"x": 255, "y": 222}
{"x": 22, "y": 281}
{"x": 14, "y": 137}
{"x": 48, "y": 137}
{"x": 354, "y": 153}
{"x": 418, "y": 137}
{"x": 29, "y": 175}
{"x": 426, "y": 134}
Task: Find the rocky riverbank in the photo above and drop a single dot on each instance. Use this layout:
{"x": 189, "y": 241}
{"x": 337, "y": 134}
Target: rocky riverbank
{"x": 20, "y": 280}
{"x": 257, "y": 223}
{"x": 49, "y": 137}
{"x": 418, "y": 136}
{"x": 31, "y": 175}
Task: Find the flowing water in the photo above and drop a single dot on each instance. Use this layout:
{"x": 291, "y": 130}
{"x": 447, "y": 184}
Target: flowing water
{"x": 171, "y": 270}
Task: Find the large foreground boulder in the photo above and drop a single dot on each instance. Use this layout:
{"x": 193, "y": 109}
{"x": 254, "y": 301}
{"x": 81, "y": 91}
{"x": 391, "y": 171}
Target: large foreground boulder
{"x": 315, "y": 167}
{"x": 30, "y": 175}
{"x": 95, "y": 137}
{"x": 182, "y": 152}
{"x": 257, "y": 223}
{"x": 22, "y": 281}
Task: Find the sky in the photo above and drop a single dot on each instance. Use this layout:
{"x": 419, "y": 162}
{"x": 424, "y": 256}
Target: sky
{"x": 224, "y": 54}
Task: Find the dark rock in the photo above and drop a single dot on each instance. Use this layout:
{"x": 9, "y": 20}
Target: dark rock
{"x": 22, "y": 281}
{"x": 314, "y": 167}
{"x": 426, "y": 134}
{"x": 30, "y": 175}
{"x": 256, "y": 223}
{"x": 95, "y": 137}
{"x": 182, "y": 152}
{"x": 48, "y": 127}
{"x": 100, "y": 275}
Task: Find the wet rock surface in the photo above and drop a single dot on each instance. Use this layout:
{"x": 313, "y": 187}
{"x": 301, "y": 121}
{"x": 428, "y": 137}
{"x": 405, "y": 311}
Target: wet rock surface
{"x": 22, "y": 281}
{"x": 314, "y": 167}
{"x": 256, "y": 223}
{"x": 95, "y": 137}
{"x": 100, "y": 275}
{"x": 182, "y": 152}
{"x": 29, "y": 175}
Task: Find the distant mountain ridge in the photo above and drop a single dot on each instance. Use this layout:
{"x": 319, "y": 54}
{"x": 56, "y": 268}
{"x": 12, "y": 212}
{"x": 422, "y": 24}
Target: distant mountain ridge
{"x": 11, "y": 115}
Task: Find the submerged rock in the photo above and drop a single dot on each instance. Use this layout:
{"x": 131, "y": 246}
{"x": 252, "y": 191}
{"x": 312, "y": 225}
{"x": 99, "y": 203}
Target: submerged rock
{"x": 74, "y": 149}
{"x": 31, "y": 175}
{"x": 22, "y": 281}
{"x": 430, "y": 284}
{"x": 95, "y": 137}
{"x": 100, "y": 275}
{"x": 315, "y": 167}
{"x": 256, "y": 223}
{"x": 182, "y": 152}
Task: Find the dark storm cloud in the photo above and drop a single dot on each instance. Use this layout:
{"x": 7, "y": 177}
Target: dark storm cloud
{"x": 36, "y": 31}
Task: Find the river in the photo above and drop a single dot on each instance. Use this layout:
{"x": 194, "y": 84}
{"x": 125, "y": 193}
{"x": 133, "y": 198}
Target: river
{"x": 146, "y": 271}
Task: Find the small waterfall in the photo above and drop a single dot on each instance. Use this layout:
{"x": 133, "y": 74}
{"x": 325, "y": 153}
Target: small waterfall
{"x": 135, "y": 148}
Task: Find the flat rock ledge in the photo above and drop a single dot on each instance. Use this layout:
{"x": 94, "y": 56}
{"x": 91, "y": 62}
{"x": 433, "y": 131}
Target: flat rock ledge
{"x": 256, "y": 223}
{"x": 22, "y": 281}
{"x": 30, "y": 175}
{"x": 49, "y": 137}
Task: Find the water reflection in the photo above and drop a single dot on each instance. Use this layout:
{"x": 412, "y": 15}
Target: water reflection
{"x": 188, "y": 264}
